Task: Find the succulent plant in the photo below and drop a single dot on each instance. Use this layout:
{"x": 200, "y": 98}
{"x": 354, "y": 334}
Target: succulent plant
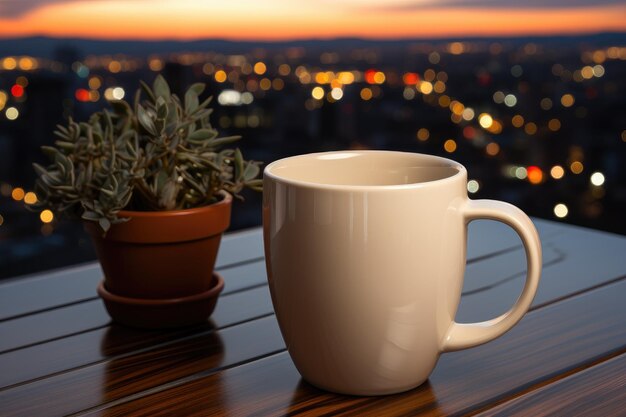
{"x": 158, "y": 154}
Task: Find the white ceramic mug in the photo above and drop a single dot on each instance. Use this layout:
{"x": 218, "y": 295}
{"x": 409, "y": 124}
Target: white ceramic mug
{"x": 365, "y": 254}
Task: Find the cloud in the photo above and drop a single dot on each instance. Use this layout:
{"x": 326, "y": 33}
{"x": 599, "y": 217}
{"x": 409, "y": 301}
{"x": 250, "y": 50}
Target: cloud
{"x": 12, "y": 9}
{"x": 498, "y": 4}
{"x": 18, "y": 8}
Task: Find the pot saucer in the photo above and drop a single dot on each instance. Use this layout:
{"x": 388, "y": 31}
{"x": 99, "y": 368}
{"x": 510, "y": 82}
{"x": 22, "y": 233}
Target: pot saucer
{"x": 162, "y": 313}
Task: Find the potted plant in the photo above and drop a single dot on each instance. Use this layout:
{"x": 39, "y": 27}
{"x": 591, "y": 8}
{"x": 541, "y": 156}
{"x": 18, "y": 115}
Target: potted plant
{"x": 153, "y": 183}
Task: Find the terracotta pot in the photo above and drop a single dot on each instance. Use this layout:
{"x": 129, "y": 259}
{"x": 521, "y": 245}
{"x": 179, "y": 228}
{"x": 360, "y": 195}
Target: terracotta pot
{"x": 160, "y": 256}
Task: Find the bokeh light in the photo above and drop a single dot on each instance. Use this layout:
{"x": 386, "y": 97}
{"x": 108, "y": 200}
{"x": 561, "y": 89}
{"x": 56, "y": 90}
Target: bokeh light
{"x": 557, "y": 172}
{"x": 17, "y": 194}
{"x": 554, "y": 125}
{"x": 317, "y": 93}
{"x": 576, "y": 167}
{"x": 567, "y": 100}
{"x": 492, "y": 149}
{"x": 560, "y": 210}
{"x": 449, "y": 145}
{"x": 534, "y": 174}
{"x": 485, "y": 120}
{"x": 336, "y": 93}
{"x": 30, "y": 198}
{"x": 220, "y": 76}
{"x": 473, "y": 186}
{"x": 12, "y": 113}
{"x": 366, "y": 93}
{"x": 260, "y": 68}
{"x": 46, "y": 216}
{"x": 597, "y": 179}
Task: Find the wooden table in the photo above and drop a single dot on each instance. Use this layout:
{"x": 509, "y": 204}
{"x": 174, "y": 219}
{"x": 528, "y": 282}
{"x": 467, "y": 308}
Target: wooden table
{"x": 60, "y": 355}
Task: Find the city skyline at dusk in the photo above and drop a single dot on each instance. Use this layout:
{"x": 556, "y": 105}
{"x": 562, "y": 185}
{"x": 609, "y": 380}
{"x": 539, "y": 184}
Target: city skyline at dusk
{"x": 284, "y": 20}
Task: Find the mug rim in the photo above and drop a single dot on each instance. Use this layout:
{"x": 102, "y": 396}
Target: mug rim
{"x": 461, "y": 171}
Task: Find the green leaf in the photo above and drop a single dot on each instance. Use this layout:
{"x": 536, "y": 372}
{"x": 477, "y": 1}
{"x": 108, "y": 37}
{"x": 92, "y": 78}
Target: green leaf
{"x": 61, "y": 135}
{"x": 145, "y": 120}
{"x": 197, "y": 88}
{"x": 191, "y": 101}
{"x": 238, "y": 164}
{"x": 90, "y": 215}
{"x": 63, "y": 129}
{"x": 202, "y": 134}
{"x": 161, "y": 88}
{"x": 168, "y": 195}
{"x": 108, "y": 193}
{"x": 172, "y": 114}
{"x": 216, "y": 143}
{"x": 66, "y": 146}
{"x": 206, "y": 103}
{"x": 146, "y": 89}
{"x": 256, "y": 185}
{"x": 105, "y": 224}
{"x": 251, "y": 172}
{"x": 41, "y": 171}
{"x": 161, "y": 179}
{"x": 193, "y": 183}
{"x": 50, "y": 152}
{"x": 161, "y": 107}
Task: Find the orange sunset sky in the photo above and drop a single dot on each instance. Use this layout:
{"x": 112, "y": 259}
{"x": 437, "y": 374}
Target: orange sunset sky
{"x": 284, "y": 19}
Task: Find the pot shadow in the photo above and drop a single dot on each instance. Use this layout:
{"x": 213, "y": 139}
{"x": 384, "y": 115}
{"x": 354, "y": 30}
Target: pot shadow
{"x": 141, "y": 359}
{"x": 307, "y": 398}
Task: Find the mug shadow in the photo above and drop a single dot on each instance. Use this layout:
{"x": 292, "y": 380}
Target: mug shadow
{"x": 307, "y": 398}
{"x": 142, "y": 358}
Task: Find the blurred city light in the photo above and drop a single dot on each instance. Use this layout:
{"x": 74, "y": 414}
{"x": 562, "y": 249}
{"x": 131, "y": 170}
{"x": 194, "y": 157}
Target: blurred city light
{"x": 336, "y": 93}
{"x": 576, "y": 167}
{"x": 473, "y": 186}
{"x": 597, "y": 179}
{"x": 449, "y": 145}
{"x": 510, "y": 100}
{"x": 485, "y": 120}
{"x": 46, "y": 216}
{"x": 557, "y": 172}
{"x": 118, "y": 93}
{"x": 317, "y": 93}
{"x": 229, "y": 98}
{"x": 17, "y": 194}
{"x": 534, "y": 174}
{"x": 560, "y": 210}
{"x": 30, "y": 198}
{"x": 12, "y": 113}
{"x": 260, "y": 68}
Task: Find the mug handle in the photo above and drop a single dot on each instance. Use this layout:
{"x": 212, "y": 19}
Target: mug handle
{"x": 466, "y": 335}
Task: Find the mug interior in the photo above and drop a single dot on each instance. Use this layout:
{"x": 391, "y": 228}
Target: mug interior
{"x": 363, "y": 168}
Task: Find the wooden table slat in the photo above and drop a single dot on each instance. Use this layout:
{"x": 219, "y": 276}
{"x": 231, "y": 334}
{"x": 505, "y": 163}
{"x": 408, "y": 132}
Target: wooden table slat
{"x": 109, "y": 343}
{"x": 596, "y": 391}
{"x": 545, "y": 344}
{"x": 80, "y": 317}
{"x": 131, "y": 374}
{"x": 589, "y": 259}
